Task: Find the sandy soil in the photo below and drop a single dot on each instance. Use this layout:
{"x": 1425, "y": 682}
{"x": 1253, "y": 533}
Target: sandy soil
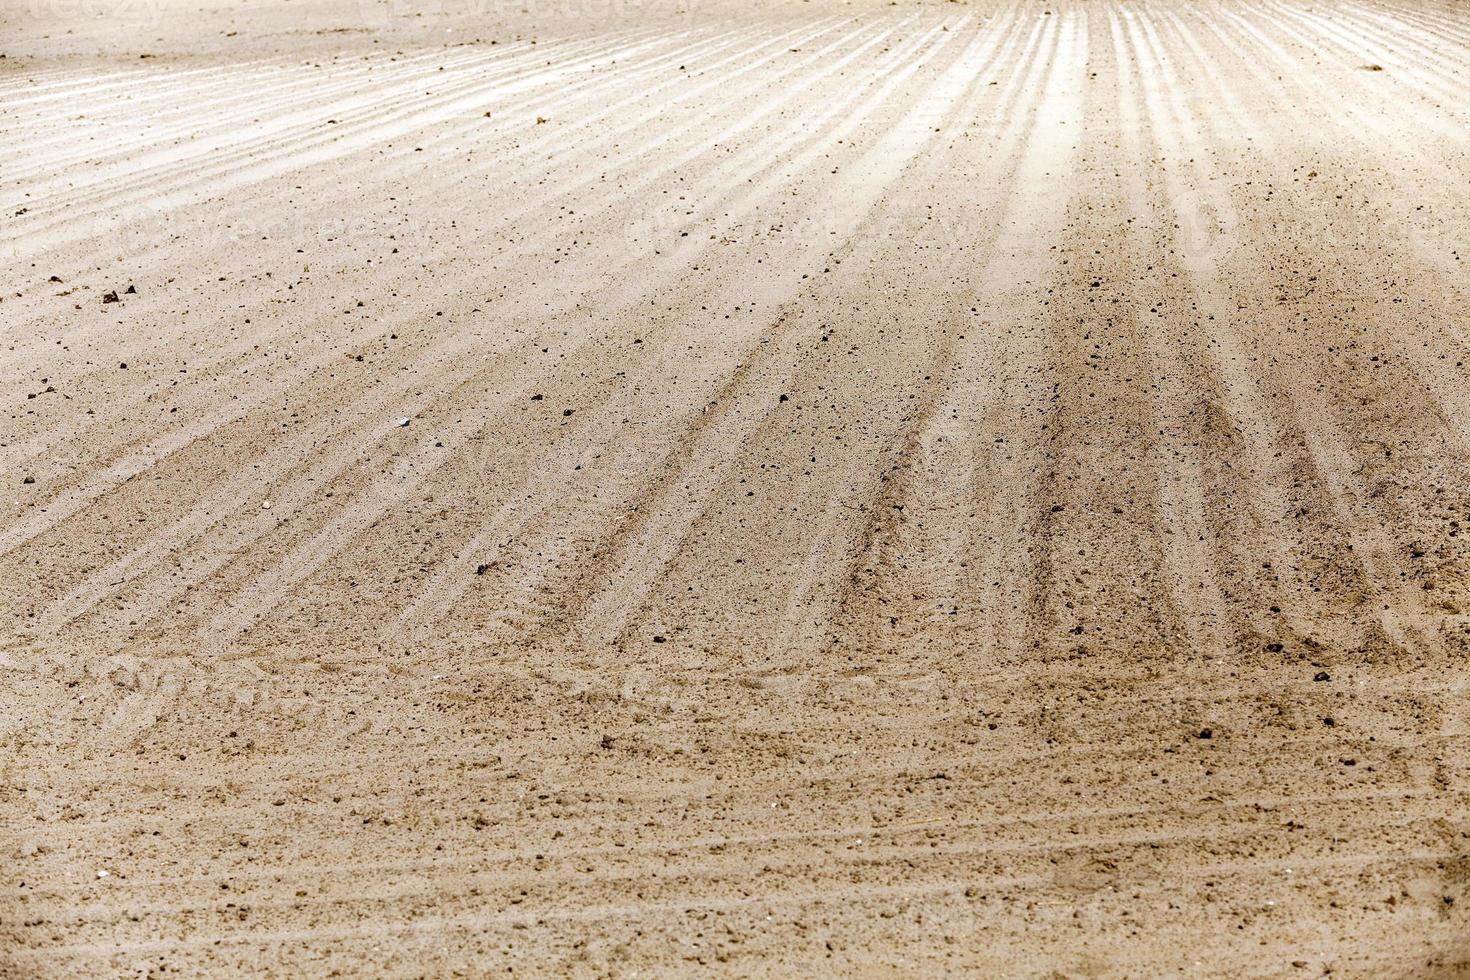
{"x": 623, "y": 488}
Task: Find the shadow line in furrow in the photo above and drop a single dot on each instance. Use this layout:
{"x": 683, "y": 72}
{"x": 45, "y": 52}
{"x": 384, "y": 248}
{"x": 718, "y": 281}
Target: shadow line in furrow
{"x": 513, "y": 520}
{"x": 1319, "y": 620}
{"x": 634, "y": 289}
{"x": 444, "y": 350}
{"x": 807, "y": 620}
{"x": 661, "y": 531}
{"x": 262, "y": 594}
{"x": 525, "y": 206}
{"x": 888, "y": 562}
{"x": 1200, "y": 417}
{"x": 1372, "y": 544}
{"x": 126, "y": 408}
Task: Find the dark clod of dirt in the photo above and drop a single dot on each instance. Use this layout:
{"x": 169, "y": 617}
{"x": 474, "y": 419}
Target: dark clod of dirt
{"x": 1371, "y": 67}
{"x": 131, "y": 290}
{"x": 536, "y": 398}
{"x": 1206, "y": 733}
{"x": 1321, "y": 675}
{"x": 481, "y": 569}
{"x": 567, "y": 412}
{"x": 110, "y": 296}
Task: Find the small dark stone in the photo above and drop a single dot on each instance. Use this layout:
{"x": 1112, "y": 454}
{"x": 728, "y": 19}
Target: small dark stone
{"x": 536, "y": 398}
{"x": 567, "y": 412}
{"x": 658, "y": 639}
{"x": 110, "y": 296}
{"x": 481, "y": 569}
{"x": 1206, "y": 733}
{"x": 1321, "y": 675}
{"x": 131, "y": 290}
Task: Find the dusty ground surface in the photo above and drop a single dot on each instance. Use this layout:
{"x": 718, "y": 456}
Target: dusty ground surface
{"x": 741, "y": 489}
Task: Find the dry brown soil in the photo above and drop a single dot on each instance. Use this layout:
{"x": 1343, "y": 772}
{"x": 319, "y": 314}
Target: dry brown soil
{"x": 699, "y": 487}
